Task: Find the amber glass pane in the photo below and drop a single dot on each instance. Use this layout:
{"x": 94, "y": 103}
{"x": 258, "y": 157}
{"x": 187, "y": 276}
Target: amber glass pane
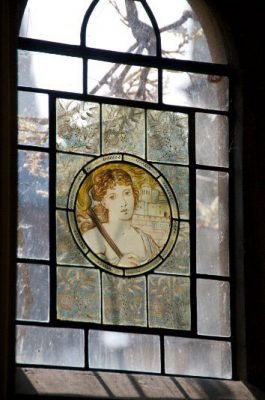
{"x": 122, "y": 81}
{"x": 54, "y": 20}
{"x": 213, "y": 306}
{"x": 77, "y": 126}
{"x": 33, "y": 124}
{"x": 33, "y": 205}
{"x": 33, "y": 292}
{"x": 212, "y": 234}
{"x": 126, "y": 28}
{"x": 124, "y": 300}
{"x": 49, "y": 71}
{"x": 195, "y": 90}
{"x": 208, "y": 358}
{"x": 167, "y": 135}
{"x": 169, "y": 302}
{"x": 78, "y": 294}
{"x": 123, "y": 130}
{"x": 211, "y": 139}
{"x": 50, "y": 346}
{"x": 124, "y": 351}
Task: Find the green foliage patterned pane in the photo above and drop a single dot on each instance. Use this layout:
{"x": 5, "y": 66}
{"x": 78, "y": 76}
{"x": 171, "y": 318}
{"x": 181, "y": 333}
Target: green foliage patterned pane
{"x": 178, "y": 177}
{"x": 124, "y": 300}
{"x": 67, "y": 251}
{"x": 67, "y": 166}
{"x": 169, "y": 302}
{"x": 78, "y": 294}
{"x": 123, "y": 130}
{"x": 178, "y": 261}
{"x": 167, "y": 136}
{"x": 77, "y": 126}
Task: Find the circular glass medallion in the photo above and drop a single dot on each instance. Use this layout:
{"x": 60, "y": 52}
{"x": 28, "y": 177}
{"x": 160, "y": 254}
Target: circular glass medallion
{"x": 123, "y": 214}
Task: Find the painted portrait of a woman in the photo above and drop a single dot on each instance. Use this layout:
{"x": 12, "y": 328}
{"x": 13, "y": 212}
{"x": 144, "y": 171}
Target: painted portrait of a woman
{"x": 109, "y": 230}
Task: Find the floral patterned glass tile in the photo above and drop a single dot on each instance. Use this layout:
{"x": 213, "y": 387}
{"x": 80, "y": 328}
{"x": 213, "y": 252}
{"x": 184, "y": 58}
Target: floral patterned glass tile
{"x": 122, "y": 81}
{"x": 67, "y": 166}
{"x": 178, "y": 262}
{"x": 78, "y": 294}
{"x": 78, "y": 126}
{"x": 33, "y": 122}
{"x": 178, "y": 178}
{"x": 32, "y": 292}
{"x": 167, "y": 134}
{"x": 169, "y": 302}
{"x": 33, "y": 205}
{"x": 124, "y": 300}
{"x": 123, "y": 130}
{"x": 66, "y": 250}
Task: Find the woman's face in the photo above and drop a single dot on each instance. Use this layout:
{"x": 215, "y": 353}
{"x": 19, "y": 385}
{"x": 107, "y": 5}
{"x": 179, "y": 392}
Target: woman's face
{"x": 119, "y": 201}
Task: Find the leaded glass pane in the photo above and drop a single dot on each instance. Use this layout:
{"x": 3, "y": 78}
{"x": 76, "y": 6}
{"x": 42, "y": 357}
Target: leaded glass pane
{"x": 33, "y": 290}
{"x": 129, "y": 28}
{"x": 169, "y": 302}
{"x": 33, "y": 205}
{"x": 178, "y": 261}
{"x": 34, "y": 67}
{"x": 78, "y": 294}
{"x": 33, "y": 124}
{"x": 213, "y": 305}
{"x": 212, "y": 251}
{"x": 124, "y": 300}
{"x": 195, "y": 90}
{"x": 212, "y": 139}
{"x": 208, "y": 358}
{"x": 50, "y": 346}
{"x": 122, "y": 81}
{"x": 67, "y": 251}
{"x": 178, "y": 178}
{"x": 54, "y": 20}
{"x": 124, "y": 351}
{"x": 123, "y": 130}
{"x": 78, "y": 126}
{"x": 167, "y": 136}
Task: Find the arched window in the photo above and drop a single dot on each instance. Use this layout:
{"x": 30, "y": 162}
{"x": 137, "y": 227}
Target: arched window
{"x": 123, "y": 189}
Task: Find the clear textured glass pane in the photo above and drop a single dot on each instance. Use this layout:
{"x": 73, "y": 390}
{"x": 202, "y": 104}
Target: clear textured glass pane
{"x": 78, "y": 126}
{"x": 195, "y": 90}
{"x": 169, "y": 302}
{"x": 212, "y": 139}
{"x": 33, "y": 292}
{"x": 49, "y": 346}
{"x": 178, "y": 262}
{"x": 124, "y": 300}
{"x": 49, "y": 71}
{"x": 66, "y": 249}
{"x": 63, "y": 18}
{"x": 123, "y": 130}
{"x": 33, "y": 205}
{"x": 213, "y": 307}
{"x": 212, "y": 250}
{"x": 33, "y": 122}
{"x": 178, "y": 178}
{"x": 78, "y": 294}
{"x": 182, "y": 35}
{"x": 126, "y": 28}
{"x": 124, "y": 351}
{"x": 198, "y": 357}
{"x": 67, "y": 166}
{"x": 167, "y": 135}
{"x": 122, "y": 81}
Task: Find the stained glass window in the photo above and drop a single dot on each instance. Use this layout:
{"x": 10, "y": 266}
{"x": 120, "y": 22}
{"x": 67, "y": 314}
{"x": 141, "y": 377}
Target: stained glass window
{"x": 123, "y": 189}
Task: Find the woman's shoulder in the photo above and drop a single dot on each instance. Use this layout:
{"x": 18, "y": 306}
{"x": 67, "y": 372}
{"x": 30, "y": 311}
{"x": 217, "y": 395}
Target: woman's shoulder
{"x": 94, "y": 240}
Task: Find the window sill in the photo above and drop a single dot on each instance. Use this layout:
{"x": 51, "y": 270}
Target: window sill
{"x": 111, "y": 385}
